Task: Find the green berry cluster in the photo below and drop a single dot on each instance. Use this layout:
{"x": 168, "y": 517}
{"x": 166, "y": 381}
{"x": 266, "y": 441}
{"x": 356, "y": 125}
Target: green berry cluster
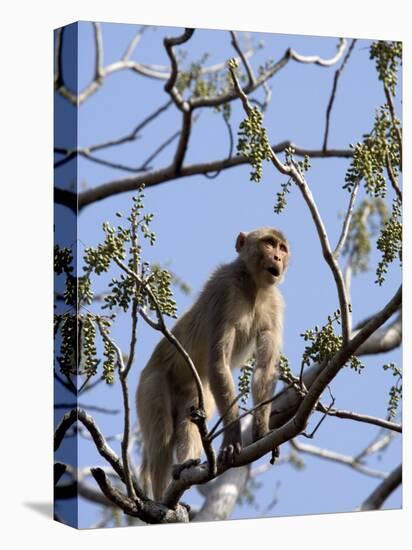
{"x": 390, "y": 241}
{"x": 120, "y": 247}
{"x": 325, "y": 344}
{"x": 370, "y": 156}
{"x": 87, "y": 330}
{"x": 388, "y": 57}
{"x": 63, "y": 258}
{"x": 109, "y": 352}
{"x": 395, "y": 392}
{"x": 245, "y": 378}
{"x": 254, "y": 143}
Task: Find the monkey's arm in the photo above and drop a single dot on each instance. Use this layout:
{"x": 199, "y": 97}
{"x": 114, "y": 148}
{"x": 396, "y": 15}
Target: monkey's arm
{"x": 224, "y": 392}
{"x": 264, "y": 380}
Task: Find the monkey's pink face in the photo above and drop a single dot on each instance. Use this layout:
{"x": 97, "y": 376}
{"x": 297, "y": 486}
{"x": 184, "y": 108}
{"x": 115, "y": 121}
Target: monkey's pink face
{"x": 274, "y": 257}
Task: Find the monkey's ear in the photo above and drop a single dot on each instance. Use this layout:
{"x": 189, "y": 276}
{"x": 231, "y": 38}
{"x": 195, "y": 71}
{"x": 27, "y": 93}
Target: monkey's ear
{"x": 240, "y": 241}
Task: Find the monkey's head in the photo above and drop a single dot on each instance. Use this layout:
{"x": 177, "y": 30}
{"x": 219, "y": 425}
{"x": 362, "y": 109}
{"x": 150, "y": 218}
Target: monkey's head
{"x": 265, "y": 252}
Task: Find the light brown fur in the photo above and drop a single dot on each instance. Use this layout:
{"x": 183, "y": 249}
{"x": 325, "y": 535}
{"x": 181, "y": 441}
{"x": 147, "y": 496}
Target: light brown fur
{"x": 239, "y": 311}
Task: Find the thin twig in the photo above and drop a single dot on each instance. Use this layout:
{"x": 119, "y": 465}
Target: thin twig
{"x": 367, "y": 419}
{"x": 223, "y": 416}
{"x": 133, "y": 43}
{"x": 333, "y": 93}
{"x": 346, "y": 223}
{"x": 98, "y": 71}
{"x": 337, "y": 457}
{"x": 248, "y": 68}
{"x": 378, "y": 444}
{"x": 325, "y": 414}
{"x": 317, "y": 60}
{"x": 123, "y": 372}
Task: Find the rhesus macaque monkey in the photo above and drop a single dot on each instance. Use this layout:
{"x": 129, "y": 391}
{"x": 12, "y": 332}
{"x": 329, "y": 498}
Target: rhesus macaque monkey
{"x": 239, "y": 311}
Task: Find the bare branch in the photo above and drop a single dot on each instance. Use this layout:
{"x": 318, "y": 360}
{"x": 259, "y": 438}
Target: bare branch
{"x": 99, "y": 440}
{"x": 58, "y": 58}
{"x": 123, "y": 372}
{"x": 217, "y": 100}
{"x": 316, "y": 59}
{"x": 98, "y": 72}
{"x": 378, "y": 444}
{"x": 346, "y": 223}
{"x": 376, "y": 499}
{"x": 164, "y": 175}
{"x": 183, "y": 141}
{"x": 363, "y": 418}
{"x": 385, "y": 339}
{"x": 337, "y": 457}
{"x": 333, "y": 93}
{"x": 170, "y": 88}
{"x": 133, "y": 43}
{"x": 248, "y": 68}
{"x": 147, "y": 510}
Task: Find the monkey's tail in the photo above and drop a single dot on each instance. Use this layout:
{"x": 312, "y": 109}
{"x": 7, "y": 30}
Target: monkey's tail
{"x": 156, "y": 421}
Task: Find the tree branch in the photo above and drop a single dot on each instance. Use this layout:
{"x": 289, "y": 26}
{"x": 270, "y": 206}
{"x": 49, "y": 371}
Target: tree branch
{"x": 346, "y": 223}
{"x": 376, "y": 499}
{"x": 317, "y": 60}
{"x": 333, "y": 93}
{"x": 337, "y": 457}
{"x": 164, "y": 175}
{"x": 170, "y": 88}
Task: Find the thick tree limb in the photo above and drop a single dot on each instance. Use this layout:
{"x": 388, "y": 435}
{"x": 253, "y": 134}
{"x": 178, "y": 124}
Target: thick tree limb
{"x": 376, "y": 499}
{"x": 385, "y": 339}
{"x": 164, "y": 175}
{"x": 223, "y": 494}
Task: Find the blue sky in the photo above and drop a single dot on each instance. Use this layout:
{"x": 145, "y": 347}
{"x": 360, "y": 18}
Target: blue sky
{"x": 197, "y": 221}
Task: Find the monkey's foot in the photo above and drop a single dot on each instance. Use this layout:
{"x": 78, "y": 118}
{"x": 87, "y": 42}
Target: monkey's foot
{"x": 275, "y": 455}
{"x": 177, "y": 469}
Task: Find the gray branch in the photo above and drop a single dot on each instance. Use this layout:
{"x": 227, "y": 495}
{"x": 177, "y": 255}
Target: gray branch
{"x": 377, "y": 498}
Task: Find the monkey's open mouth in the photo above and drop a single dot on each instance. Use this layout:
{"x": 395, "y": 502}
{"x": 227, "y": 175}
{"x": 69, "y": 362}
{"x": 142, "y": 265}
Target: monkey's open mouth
{"x": 273, "y": 271}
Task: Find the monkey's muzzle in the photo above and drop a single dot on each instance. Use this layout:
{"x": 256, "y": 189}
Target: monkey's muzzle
{"x": 274, "y": 271}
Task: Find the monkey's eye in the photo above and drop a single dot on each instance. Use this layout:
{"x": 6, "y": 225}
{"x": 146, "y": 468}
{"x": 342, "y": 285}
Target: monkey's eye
{"x": 270, "y": 242}
{"x": 283, "y": 247}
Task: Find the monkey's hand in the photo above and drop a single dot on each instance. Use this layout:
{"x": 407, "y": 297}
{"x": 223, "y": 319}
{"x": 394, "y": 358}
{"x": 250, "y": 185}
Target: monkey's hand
{"x": 231, "y": 446}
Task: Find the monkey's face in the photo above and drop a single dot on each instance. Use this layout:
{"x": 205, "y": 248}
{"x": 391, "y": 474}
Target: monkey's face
{"x": 274, "y": 256}
{"x": 266, "y": 253}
